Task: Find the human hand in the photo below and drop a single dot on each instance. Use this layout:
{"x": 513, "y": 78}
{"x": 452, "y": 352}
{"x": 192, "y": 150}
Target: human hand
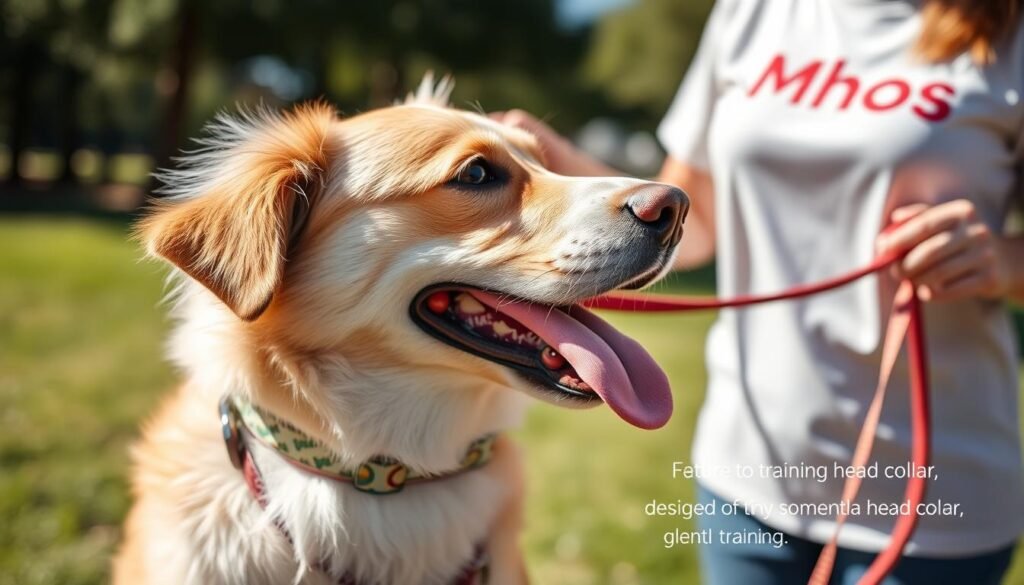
{"x": 561, "y": 156}
{"x": 953, "y": 255}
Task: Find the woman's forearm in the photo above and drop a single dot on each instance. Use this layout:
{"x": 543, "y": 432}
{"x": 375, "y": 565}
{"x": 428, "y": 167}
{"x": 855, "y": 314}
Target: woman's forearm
{"x": 698, "y": 245}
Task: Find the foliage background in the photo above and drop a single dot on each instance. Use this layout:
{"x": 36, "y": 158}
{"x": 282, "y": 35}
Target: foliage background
{"x": 136, "y": 76}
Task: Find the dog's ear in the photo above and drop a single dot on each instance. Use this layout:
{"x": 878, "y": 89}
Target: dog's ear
{"x": 236, "y": 203}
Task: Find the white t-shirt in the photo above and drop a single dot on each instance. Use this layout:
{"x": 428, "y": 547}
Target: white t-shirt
{"x": 814, "y": 120}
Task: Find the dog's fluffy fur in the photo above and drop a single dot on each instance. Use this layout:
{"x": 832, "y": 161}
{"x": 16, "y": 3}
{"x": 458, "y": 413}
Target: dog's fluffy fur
{"x": 299, "y": 241}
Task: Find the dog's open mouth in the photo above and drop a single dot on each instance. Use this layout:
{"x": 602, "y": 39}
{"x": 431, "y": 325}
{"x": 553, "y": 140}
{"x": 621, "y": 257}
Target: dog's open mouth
{"x": 566, "y": 350}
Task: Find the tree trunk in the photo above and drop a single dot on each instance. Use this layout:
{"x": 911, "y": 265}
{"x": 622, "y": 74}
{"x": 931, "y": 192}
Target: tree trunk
{"x": 387, "y": 79}
{"x": 25, "y": 70}
{"x": 70, "y": 138}
{"x": 182, "y": 64}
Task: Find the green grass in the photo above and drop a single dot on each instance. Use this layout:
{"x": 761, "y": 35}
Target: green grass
{"x": 80, "y": 363}
{"x": 80, "y": 366}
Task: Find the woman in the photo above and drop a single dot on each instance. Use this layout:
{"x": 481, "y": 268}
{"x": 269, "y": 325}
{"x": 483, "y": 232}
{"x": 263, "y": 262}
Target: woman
{"x": 801, "y": 129}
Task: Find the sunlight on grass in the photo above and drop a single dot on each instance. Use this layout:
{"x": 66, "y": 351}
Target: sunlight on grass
{"x": 81, "y": 336}
{"x": 81, "y": 366}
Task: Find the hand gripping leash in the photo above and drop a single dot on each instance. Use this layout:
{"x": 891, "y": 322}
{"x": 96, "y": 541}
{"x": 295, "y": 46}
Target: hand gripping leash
{"x": 905, "y": 322}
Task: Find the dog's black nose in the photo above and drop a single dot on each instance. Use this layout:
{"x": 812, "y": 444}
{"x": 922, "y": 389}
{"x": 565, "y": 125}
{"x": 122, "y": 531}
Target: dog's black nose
{"x": 661, "y": 209}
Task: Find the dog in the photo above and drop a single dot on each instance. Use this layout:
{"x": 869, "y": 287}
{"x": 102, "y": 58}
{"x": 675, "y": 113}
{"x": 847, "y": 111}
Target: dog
{"x": 384, "y": 292}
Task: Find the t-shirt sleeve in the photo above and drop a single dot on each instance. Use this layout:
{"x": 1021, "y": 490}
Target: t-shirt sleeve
{"x": 684, "y": 130}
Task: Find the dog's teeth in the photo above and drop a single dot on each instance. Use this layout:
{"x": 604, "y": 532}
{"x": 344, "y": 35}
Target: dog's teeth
{"x": 501, "y": 329}
{"x": 490, "y": 324}
{"x": 575, "y": 383}
{"x": 469, "y": 305}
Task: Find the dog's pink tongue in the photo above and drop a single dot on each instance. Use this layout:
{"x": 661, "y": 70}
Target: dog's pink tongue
{"x": 622, "y": 373}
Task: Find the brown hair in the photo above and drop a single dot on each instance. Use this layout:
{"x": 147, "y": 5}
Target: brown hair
{"x": 952, "y": 27}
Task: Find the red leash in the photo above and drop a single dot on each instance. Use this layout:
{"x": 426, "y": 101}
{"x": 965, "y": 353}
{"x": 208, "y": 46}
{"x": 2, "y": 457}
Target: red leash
{"x": 905, "y": 321}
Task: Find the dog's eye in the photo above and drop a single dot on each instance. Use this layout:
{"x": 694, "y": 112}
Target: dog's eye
{"x": 477, "y": 172}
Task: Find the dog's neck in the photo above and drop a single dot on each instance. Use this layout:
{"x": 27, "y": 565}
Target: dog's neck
{"x": 243, "y": 422}
{"x": 427, "y": 422}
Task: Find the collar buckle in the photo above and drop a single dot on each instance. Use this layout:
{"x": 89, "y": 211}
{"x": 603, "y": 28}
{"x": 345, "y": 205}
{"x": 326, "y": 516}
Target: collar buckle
{"x": 229, "y": 419}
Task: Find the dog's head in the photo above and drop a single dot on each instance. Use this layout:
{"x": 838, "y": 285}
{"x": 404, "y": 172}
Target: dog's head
{"x": 423, "y": 237}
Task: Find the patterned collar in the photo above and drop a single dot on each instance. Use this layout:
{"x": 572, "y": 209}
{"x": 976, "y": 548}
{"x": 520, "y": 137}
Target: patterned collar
{"x": 379, "y": 475}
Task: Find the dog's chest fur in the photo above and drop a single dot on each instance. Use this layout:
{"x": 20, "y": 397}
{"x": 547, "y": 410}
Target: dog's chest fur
{"x": 201, "y": 518}
{"x": 196, "y": 521}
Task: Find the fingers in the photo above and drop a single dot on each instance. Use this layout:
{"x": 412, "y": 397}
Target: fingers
{"x": 950, "y": 253}
{"x": 525, "y": 121}
{"x": 941, "y": 247}
{"x": 925, "y": 223}
{"x": 970, "y": 285}
{"x": 558, "y": 154}
{"x": 549, "y": 139}
{"x": 902, "y": 214}
{"x": 935, "y": 283}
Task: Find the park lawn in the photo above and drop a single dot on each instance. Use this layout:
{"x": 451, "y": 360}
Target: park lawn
{"x": 80, "y": 366}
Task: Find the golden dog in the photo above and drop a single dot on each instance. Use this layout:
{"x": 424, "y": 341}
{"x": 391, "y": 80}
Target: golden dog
{"x": 381, "y": 291}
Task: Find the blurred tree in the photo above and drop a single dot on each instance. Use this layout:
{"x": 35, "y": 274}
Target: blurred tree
{"x": 371, "y": 53}
{"x": 25, "y": 57}
{"x": 66, "y": 38}
{"x": 178, "y": 78}
{"x": 639, "y": 54}
{"x": 141, "y": 74}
